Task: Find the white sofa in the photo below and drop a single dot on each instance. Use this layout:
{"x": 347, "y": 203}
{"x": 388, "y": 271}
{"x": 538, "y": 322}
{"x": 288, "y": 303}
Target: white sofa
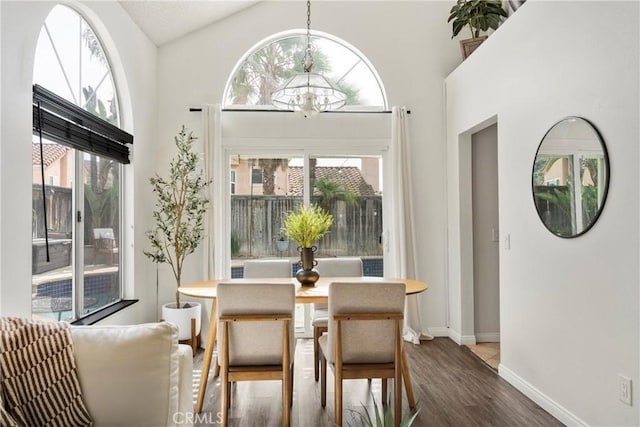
{"x": 135, "y": 375}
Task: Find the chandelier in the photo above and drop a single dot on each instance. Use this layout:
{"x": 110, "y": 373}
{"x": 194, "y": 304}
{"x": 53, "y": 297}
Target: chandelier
{"x": 308, "y": 93}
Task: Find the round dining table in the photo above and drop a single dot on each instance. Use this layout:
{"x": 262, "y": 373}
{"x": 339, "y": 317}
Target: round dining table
{"x": 319, "y": 293}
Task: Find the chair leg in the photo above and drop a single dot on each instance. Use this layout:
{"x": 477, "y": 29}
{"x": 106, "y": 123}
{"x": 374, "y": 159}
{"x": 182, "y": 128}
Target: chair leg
{"x": 323, "y": 381}
{"x": 338, "y": 396}
{"x": 316, "y": 350}
{"x": 224, "y": 398}
{"x": 397, "y": 389}
{"x": 286, "y": 407}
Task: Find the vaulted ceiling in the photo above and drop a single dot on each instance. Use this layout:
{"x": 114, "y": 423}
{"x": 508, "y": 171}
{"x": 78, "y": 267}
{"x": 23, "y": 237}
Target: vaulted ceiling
{"x": 164, "y": 21}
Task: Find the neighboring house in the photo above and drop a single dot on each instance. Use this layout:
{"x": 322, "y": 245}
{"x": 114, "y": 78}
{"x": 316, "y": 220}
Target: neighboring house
{"x": 247, "y": 178}
{"x": 348, "y": 177}
{"x": 57, "y": 164}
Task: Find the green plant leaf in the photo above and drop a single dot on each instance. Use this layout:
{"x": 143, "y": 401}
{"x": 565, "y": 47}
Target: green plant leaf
{"x": 380, "y": 417}
{"x": 478, "y": 15}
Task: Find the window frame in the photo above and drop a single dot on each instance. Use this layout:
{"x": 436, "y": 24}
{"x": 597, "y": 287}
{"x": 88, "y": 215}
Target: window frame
{"x": 254, "y": 133}
{"x": 93, "y": 136}
{"x": 255, "y": 171}
{"x": 232, "y": 181}
{"x": 302, "y": 33}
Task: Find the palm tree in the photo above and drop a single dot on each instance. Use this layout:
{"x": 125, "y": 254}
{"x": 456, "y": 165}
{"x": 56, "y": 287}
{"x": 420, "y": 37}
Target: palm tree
{"x": 269, "y": 167}
{"x": 261, "y": 72}
{"x": 331, "y": 190}
{"x": 265, "y": 70}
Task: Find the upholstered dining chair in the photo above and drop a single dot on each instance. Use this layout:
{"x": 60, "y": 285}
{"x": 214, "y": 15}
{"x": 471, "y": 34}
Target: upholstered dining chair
{"x": 257, "y": 342}
{"x": 267, "y": 268}
{"x": 330, "y": 267}
{"x": 263, "y": 269}
{"x": 364, "y": 339}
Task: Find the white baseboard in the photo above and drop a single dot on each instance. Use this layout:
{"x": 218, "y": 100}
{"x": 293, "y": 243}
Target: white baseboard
{"x": 488, "y": 337}
{"x": 540, "y": 398}
{"x": 461, "y": 339}
{"x": 438, "y": 331}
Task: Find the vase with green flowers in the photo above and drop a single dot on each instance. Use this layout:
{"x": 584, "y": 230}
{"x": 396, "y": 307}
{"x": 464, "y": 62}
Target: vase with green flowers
{"x": 305, "y": 226}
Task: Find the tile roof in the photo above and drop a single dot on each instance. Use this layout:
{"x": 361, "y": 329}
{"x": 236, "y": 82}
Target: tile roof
{"x": 348, "y": 176}
{"x": 52, "y": 152}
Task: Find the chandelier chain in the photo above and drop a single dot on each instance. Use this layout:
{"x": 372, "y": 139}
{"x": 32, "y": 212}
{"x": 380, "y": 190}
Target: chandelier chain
{"x": 308, "y": 59}
{"x": 308, "y": 18}
{"x": 308, "y": 92}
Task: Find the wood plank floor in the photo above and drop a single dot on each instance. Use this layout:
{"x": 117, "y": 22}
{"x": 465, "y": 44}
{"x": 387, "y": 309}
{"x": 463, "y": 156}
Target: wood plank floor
{"x": 452, "y": 387}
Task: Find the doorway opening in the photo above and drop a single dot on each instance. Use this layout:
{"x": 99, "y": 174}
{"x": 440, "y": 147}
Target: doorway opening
{"x": 486, "y": 245}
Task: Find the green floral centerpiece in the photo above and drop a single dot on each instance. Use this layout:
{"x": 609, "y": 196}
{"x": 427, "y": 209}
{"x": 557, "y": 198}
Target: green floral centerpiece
{"x": 305, "y": 226}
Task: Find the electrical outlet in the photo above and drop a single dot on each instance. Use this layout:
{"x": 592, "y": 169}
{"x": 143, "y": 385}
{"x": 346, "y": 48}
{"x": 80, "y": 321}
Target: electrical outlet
{"x": 624, "y": 389}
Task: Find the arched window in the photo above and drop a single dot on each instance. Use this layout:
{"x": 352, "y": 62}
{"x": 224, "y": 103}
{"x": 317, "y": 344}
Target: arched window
{"x": 272, "y": 61}
{"x": 77, "y": 199}
{"x": 71, "y": 62}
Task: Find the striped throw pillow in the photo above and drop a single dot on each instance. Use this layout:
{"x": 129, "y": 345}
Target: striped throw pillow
{"x": 6, "y": 420}
{"x": 38, "y": 374}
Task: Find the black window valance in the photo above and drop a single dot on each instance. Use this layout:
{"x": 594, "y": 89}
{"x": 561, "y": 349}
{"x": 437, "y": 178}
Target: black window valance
{"x": 64, "y": 122}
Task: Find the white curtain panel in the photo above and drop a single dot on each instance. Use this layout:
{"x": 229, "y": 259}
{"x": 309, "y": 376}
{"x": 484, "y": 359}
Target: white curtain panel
{"x": 403, "y": 247}
{"x": 212, "y": 136}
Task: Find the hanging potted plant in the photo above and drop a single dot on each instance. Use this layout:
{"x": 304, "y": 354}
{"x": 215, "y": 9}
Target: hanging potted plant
{"x": 305, "y": 226}
{"x": 179, "y": 225}
{"x": 479, "y": 16}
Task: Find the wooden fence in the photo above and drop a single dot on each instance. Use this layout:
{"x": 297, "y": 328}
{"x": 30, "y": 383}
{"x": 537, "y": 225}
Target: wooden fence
{"x": 256, "y": 223}
{"x": 59, "y": 216}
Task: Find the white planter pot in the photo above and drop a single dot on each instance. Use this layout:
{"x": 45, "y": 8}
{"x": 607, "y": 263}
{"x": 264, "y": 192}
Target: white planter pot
{"x": 181, "y": 317}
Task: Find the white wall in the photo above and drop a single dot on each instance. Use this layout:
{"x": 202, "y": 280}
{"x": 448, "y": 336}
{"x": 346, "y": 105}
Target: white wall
{"x": 569, "y": 307}
{"x": 409, "y": 45}
{"x": 133, "y": 58}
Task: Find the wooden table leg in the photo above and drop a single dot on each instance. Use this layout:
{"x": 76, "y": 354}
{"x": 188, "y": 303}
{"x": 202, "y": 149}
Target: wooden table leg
{"x": 208, "y": 355}
{"x": 407, "y": 379}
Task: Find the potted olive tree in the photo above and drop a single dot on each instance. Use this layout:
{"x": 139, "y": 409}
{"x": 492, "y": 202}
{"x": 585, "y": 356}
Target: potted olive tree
{"x": 305, "y": 226}
{"x": 479, "y": 16}
{"x": 179, "y": 224}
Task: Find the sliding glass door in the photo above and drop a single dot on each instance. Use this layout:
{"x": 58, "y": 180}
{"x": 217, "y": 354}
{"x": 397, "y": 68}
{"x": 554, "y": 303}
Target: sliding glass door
{"x": 264, "y": 188}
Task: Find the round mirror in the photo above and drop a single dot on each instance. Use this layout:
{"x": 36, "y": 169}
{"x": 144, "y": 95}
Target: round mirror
{"x": 570, "y": 177}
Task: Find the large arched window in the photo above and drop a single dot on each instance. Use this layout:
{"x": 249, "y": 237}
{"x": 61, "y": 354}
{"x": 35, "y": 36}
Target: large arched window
{"x": 272, "y": 61}
{"x": 76, "y": 191}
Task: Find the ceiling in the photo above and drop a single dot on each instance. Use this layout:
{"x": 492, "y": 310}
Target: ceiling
{"x": 164, "y": 21}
